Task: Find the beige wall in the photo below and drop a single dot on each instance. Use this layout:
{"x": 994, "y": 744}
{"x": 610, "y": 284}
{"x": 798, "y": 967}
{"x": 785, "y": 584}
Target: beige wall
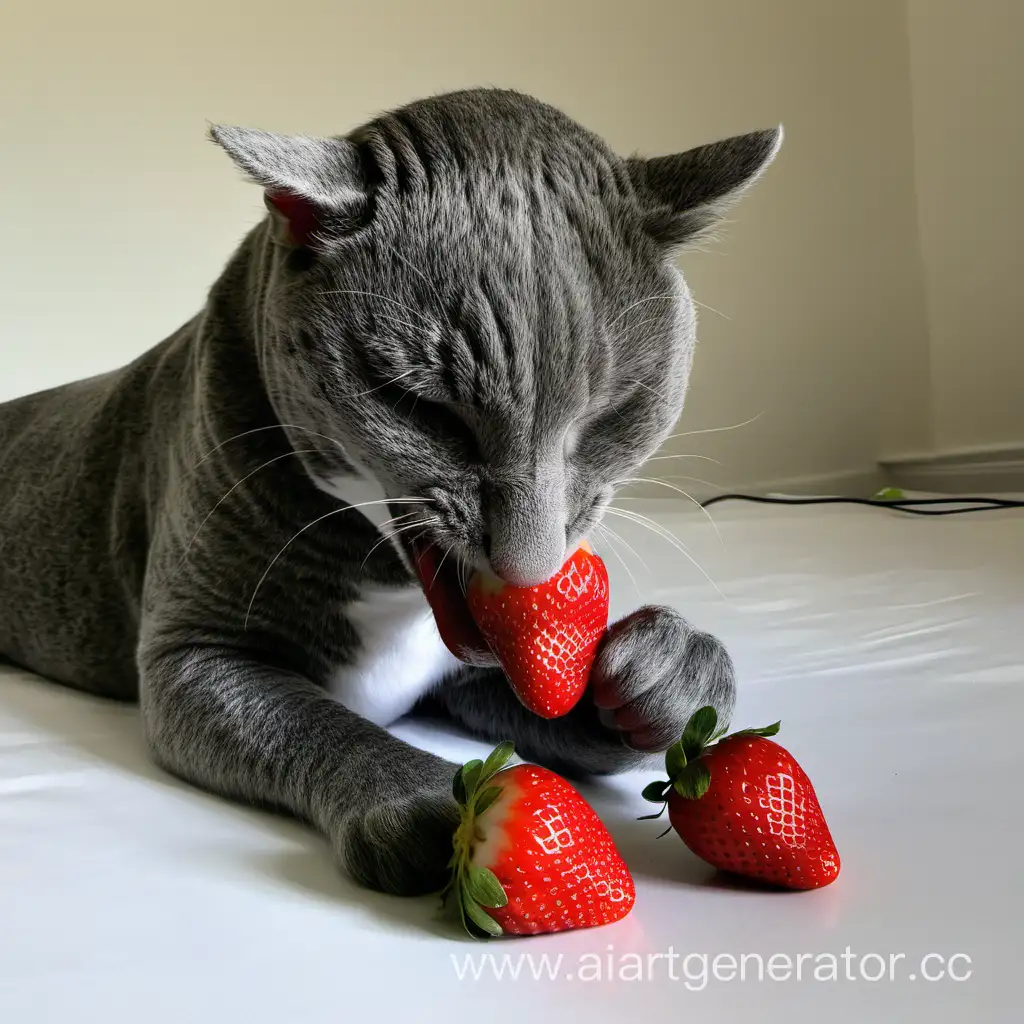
{"x": 118, "y": 213}
{"x": 967, "y": 75}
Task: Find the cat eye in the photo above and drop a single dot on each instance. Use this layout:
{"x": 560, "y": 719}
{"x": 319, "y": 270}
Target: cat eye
{"x": 441, "y": 419}
{"x": 609, "y": 434}
{"x": 445, "y": 422}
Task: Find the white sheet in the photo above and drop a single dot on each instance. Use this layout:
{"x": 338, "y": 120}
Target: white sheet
{"x": 892, "y": 649}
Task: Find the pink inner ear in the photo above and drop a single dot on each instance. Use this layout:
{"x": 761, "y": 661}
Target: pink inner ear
{"x": 302, "y": 215}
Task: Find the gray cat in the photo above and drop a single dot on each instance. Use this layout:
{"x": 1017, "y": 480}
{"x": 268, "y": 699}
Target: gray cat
{"x": 457, "y": 328}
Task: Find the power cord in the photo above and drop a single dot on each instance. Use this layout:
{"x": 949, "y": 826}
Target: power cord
{"x": 890, "y": 498}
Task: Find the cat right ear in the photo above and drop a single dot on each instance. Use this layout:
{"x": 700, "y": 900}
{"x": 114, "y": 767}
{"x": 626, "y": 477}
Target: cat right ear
{"x": 684, "y": 195}
{"x": 310, "y": 184}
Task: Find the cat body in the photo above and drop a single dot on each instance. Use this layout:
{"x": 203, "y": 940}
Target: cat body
{"x": 459, "y": 326}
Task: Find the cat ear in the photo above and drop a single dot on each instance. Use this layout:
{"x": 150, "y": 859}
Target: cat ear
{"x": 297, "y": 220}
{"x": 307, "y": 181}
{"x": 687, "y": 193}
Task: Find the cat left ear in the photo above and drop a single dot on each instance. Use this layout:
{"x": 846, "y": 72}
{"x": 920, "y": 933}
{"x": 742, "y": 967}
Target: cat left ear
{"x": 308, "y": 182}
{"x": 684, "y": 195}
{"x": 297, "y": 221}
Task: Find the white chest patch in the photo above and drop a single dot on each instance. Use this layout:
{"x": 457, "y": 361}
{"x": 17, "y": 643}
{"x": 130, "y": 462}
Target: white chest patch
{"x": 400, "y": 659}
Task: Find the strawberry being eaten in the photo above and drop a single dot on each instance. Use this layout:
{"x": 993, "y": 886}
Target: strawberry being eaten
{"x": 530, "y": 854}
{"x": 545, "y": 637}
{"x": 445, "y": 593}
{"x": 744, "y": 805}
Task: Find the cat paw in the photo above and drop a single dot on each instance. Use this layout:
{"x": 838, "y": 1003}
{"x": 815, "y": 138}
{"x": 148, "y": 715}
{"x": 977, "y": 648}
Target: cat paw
{"x": 398, "y": 838}
{"x": 652, "y": 671}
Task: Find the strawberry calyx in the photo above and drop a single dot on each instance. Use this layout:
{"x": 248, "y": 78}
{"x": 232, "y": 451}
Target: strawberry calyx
{"x": 472, "y": 886}
{"x": 688, "y": 774}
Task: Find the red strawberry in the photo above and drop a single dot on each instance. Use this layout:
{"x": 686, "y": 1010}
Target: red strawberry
{"x": 545, "y": 636}
{"x": 744, "y": 805}
{"x": 530, "y": 854}
{"x": 443, "y": 591}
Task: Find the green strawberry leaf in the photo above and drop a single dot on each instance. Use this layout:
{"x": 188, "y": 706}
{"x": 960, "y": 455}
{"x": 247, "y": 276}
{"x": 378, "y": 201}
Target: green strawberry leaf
{"x": 459, "y": 788}
{"x": 693, "y": 782}
{"x": 888, "y": 494}
{"x": 699, "y": 730}
{"x": 497, "y": 759}
{"x": 483, "y": 921}
{"x": 471, "y": 776}
{"x": 655, "y": 791}
{"x": 460, "y": 907}
{"x": 486, "y": 798}
{"x": 768, "y": 730}
{"x": 482, "y": 885}
{"x": 675, "y": 759}
{"x": 657, "y": 814}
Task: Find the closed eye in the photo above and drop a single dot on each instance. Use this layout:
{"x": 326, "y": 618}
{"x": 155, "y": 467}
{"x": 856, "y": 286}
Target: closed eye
{"x": 613, "y": 432}
{"x": 438, "y": 418}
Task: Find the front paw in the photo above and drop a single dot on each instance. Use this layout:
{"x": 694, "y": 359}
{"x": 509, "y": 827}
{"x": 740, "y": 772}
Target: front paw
{"x": 398, "y": 836}
{"x": 653, "y": 670}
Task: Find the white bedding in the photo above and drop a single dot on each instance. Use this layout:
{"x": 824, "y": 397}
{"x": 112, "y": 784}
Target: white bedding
{"x": 891, "y": 647}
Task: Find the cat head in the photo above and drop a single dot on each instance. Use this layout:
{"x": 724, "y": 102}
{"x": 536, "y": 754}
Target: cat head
{"x": 477, "y": 302}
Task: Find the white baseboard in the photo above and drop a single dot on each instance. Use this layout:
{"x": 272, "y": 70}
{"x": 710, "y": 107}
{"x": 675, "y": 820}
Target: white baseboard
{"x": 965, "y": 471}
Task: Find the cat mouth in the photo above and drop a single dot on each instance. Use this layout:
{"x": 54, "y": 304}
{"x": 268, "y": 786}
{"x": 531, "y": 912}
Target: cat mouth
{"x": 445, "y": 592}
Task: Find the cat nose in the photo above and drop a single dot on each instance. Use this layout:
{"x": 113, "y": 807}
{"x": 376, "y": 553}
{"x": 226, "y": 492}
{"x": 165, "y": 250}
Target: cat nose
{"x": 528, "y": 567}
{"x": 527, "y": 540}
{"x": 525, "y": 515}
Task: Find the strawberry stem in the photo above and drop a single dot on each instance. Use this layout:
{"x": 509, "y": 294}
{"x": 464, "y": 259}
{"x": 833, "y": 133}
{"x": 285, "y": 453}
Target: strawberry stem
{"x": 687, "y": 775}
{"x": 472, "y": 886}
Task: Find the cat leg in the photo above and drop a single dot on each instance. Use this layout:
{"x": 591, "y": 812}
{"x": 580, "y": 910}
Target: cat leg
{"x": 234, "y": 725}
{"x": 653, "y": 670}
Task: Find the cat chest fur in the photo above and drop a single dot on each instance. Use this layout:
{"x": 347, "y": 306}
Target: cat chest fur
{"x": 400, "y": 656}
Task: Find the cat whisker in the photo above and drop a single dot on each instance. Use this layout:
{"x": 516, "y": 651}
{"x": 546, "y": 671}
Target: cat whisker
{"x": 646, "y": 521}
{"x": 611, "y": 547}
{"x": 393, "y": 533}
{"x": 665, "y": 535}
{"x": 661, "y": 481}
{"x": 386, "y": 383}
{"x": 383, "y": 298}
{"x": 424, "y": 523}
{"x": 678, "y": 490}
{"x": 407, "y": 528}
{"x": 416, "y": 270}
{"x": 625, "y": 543}
{"x": 437, "y": 571}
{"x": 715, "y": 430}
{"x": 403, "y": 323}
{"x": 662, "y": 458}
{"x": 647, "y": 387}
{"x": 273, "y": 426}
{"x": 463, "y": 575}
{"x": 639, "y": 302}
{"x": 235, "y": 486}
{"x": 644, "y": 323}
{"x": 395, "y": 519}
{"x": 637, "y": 479}
{"x": 710, "y": 309}
{"x": 295, "y": 536}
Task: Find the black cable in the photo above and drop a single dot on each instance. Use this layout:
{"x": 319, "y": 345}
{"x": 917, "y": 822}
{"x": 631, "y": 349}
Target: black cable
{"x": 908, "y": 505}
